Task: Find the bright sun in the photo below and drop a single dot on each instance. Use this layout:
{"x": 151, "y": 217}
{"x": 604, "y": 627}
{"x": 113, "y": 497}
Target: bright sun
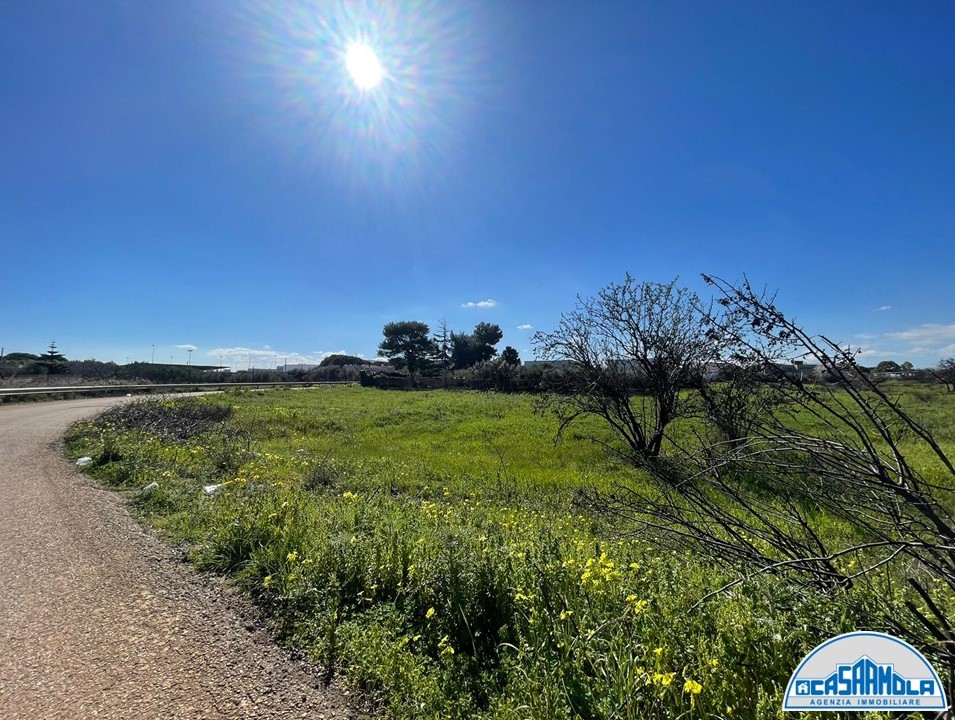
{"x": 363, "y": 65}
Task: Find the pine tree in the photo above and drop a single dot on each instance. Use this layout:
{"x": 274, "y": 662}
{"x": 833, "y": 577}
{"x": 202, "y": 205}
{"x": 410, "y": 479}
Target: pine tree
{"x": 53, "y": 362}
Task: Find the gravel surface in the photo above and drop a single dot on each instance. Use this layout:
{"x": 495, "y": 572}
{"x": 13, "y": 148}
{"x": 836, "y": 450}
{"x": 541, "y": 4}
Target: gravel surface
{"x": 100, "y": 619}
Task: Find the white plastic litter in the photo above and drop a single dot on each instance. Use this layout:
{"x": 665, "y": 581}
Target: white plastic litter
{"x": 84, "y": 461}
{"x": 152, "y": 486}
{"x": 211, "y": 489}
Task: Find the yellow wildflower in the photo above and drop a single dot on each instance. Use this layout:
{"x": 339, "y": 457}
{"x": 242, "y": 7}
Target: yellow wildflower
{"x": 692, "y": 687}
{"x": 663, "y": 679}
{"x": 430, "y": 613}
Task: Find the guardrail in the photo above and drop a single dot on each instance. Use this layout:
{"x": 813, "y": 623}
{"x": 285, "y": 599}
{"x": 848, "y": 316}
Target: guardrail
{"x": 19, "y": 392}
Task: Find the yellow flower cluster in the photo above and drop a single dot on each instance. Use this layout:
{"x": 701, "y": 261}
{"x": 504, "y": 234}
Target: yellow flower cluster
{"x": 663, "y": 679}
{"x": 599, "y": 570}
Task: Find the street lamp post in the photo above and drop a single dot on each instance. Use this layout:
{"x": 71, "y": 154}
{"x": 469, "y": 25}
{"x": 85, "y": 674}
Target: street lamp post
{"x": 189, "y": 361}
{"x": 153, "y": 361}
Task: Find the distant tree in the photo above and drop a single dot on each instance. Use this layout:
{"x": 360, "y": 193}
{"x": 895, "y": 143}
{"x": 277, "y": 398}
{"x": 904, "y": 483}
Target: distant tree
{"x": 464, "y": 352}
{"x": 469, "y": 349}
{"x": 52, "y": 362}
{"x": 407, "y": 346}
{"x": 510, "y": 356}
{"x": 907, "y": 367}
{"x": 489, "y": 335}
{"x": 15, "y": 363}
{"x": 888, "y": 366}
{"x": 19, "y": 359}
{"x": 93, "y": 369}
{"x": 945, "y": 373}
{"x": 442, "y": 342}
{"x": 338, "y": 360}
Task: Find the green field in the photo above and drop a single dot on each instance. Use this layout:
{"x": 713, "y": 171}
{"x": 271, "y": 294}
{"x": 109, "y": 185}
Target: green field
{"x": 427, "y": 547}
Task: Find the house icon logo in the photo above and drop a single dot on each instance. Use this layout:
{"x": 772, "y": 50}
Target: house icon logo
{"x": 864, "y": 671}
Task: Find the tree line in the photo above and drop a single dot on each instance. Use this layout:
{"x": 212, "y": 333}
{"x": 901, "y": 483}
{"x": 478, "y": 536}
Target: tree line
{"x": 409, "y": 346}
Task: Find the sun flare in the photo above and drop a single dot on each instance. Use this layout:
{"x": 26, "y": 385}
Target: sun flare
{"x": 363, "y": 65}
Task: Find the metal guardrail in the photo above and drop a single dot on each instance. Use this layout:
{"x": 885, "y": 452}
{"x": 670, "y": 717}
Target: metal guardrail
{"x": 14, "y": 392}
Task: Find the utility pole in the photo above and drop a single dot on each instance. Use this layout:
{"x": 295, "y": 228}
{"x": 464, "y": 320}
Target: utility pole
{"x": 153, "y": 361}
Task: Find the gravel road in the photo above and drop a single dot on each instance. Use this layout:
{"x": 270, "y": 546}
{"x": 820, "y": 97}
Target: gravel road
{"x": 100, "y": 619}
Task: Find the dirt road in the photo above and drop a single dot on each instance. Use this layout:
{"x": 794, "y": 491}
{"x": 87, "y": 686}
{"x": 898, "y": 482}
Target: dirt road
{"x": 98, "y": 619}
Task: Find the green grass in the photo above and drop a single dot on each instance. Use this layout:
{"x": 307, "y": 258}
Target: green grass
{"x": 426, "y": 546}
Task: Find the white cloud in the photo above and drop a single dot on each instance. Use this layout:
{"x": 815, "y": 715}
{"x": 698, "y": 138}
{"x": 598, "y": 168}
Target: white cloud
{"x": 883, "y": 308}
{"x": 480, "y": 304}
{"x": 525, "y": 326}
{"x": 927, "y": 335}
{"x": 242, "y": 357}
{"x": 187, "y": 348}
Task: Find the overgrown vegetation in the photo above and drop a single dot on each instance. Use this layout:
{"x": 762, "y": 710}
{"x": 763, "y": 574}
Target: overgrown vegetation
{"x": 428, "y": 547}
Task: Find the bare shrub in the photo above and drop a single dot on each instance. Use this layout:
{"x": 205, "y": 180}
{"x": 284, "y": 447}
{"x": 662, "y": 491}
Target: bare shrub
{"x": 173, "y": 420}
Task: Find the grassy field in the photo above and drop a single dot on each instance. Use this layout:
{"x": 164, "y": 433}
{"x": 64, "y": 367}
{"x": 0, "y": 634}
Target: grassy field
{"x": 426, "y": 545}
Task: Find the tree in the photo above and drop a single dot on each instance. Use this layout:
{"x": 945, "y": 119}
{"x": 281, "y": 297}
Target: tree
{"x": 510, "y": 356}
{"x": 339, "y": 360}
{"x": 19, "y": 359}
{"x": 93, "y": 369}
{"x": 944, "y": 372}
{"x": 488, "y": 335}
{"x": 442, "y": 342}
{"x": 888, "y": 366}
{"x": 468, "y": 350}
{"x": 52, "y": 362}
{"x": 768, "y": 504}
{"x": 632, "y": 349}
{"x": 407, "y": 346}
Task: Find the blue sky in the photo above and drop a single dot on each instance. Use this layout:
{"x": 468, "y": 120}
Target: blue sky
{"x": 205, "y": 173}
